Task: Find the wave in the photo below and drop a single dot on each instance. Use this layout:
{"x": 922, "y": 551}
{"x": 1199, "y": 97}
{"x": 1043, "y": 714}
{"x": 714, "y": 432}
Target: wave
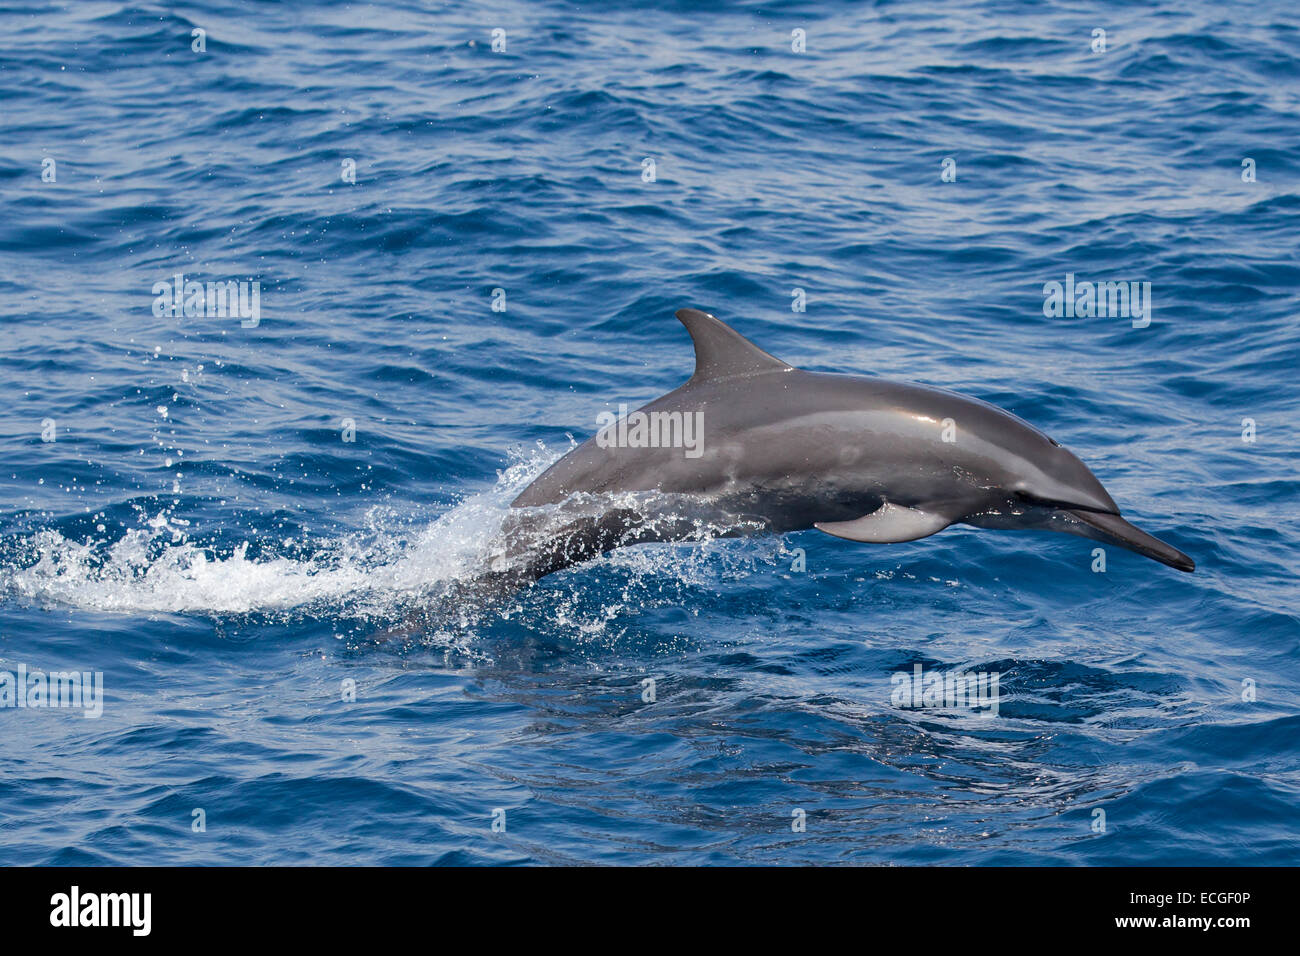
{"x": 158, "y": 568}
{"x": 383, "y": 573}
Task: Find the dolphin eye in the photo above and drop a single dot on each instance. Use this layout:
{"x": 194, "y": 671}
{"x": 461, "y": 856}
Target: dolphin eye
{"x": 1055, "y": 443}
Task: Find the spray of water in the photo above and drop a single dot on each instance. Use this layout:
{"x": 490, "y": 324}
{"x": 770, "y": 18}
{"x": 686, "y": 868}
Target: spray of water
{"x": 382, "y": 574}
{"x": 157, "y": 568}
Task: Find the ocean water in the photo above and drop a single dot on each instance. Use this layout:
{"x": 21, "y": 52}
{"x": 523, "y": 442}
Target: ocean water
{"x": 200, "y": 532}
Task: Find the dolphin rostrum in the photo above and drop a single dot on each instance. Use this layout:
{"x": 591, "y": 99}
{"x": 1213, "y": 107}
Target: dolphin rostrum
{"x": 752, "y": 445}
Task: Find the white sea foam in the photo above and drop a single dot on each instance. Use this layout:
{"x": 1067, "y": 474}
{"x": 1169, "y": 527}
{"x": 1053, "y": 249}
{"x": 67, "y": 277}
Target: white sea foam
{"x": 380, "y": 572}
{"x": 158, "y": 568}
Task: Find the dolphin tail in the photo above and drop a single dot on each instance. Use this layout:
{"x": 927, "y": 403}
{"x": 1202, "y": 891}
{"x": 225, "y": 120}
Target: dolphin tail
{"x": 536, "y": 545}
{"x": 1114, "y": 528}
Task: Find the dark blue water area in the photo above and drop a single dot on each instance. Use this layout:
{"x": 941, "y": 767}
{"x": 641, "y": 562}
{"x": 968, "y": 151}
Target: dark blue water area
{"x": 200, "y": 532}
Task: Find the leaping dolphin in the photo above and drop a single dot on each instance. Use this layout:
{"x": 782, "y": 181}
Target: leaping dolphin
{"x": 780, "y": 449}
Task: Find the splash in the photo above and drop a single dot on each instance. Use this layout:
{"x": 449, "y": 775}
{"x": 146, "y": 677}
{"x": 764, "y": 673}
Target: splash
{"x": 158, "y": 568}
{"x": 383, "y": 573}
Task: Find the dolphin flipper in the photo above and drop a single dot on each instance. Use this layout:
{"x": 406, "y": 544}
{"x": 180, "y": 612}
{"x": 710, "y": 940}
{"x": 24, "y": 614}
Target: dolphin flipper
{"x": 888, "y": 524}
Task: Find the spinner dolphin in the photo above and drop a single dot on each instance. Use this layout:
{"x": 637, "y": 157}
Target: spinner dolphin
{"x": 751, "y": 445}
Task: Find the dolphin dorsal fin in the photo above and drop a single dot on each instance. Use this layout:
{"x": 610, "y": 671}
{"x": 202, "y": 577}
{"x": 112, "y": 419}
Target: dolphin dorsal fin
{"x": 722, "y": 352}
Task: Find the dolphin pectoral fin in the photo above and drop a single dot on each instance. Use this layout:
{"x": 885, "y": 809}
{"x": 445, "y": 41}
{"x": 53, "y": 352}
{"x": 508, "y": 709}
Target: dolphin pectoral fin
{"x": 1114, "y": 528}
{"x": 888, "y": 524}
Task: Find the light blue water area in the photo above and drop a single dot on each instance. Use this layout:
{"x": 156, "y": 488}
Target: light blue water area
{"x": 201, "y": 533}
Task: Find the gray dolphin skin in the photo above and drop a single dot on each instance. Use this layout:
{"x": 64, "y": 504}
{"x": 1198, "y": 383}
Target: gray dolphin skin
{"x": 751, "y": 445}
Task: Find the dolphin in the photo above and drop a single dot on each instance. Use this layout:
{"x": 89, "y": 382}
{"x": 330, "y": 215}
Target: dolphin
{"x": 753, "y": 445}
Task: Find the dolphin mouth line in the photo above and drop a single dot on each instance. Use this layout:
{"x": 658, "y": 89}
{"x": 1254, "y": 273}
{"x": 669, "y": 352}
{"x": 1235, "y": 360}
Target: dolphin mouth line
{"x": 1134, "y": 538}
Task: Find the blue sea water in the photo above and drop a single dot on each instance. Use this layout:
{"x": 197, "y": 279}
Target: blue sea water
{"x": 200, "y": 532}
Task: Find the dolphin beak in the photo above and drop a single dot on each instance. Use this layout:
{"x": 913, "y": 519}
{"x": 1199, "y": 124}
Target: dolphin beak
{"x": 1135, "y": 539}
